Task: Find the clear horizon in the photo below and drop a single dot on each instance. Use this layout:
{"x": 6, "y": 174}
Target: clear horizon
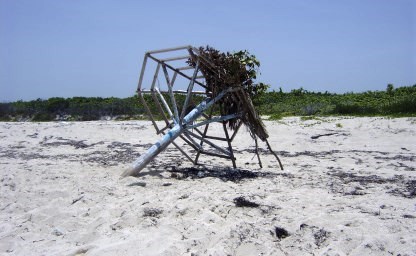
{"x": 95, "y": 48}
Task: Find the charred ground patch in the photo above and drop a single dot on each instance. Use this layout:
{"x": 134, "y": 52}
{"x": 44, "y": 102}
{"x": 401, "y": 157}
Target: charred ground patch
{"x": 225, "y": 174}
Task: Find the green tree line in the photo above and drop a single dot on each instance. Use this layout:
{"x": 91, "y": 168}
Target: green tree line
{"x": 399, "y": 101}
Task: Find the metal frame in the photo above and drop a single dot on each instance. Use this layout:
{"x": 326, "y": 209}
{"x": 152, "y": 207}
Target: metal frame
{"x": 178, "y": 123}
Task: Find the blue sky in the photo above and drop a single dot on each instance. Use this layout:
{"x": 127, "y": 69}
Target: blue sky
{"x": 51, "y": 48}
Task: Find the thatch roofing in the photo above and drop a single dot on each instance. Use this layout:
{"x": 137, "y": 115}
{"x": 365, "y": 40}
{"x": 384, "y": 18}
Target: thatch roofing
{"x": 225, "y": 70}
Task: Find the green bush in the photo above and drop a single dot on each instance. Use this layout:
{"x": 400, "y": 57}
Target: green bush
{"x": 405, "y": 105}
{"x": 399, "y": 101}
{"x": 43, "y": 117}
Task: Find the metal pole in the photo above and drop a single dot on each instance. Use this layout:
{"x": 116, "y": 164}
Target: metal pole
{"x": 165, "y": 104}
{"x": 139, "y": 84}
{"x": 172, "y": 96}
{"x": 215, "y": 119}
{"x": 177, "y": 71}
{"x": 230, "y": 147}
{"x": 170, "y": 49}
{"x": 190, "y": 88}
{"x": 170, "y": 136}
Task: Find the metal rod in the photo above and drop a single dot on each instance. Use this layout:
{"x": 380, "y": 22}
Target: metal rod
{"x": 183, "y": 152}
{"x": 215, "y": 154}
{"x": 168, "y": 126}
{"x": 190, "y": 88}
{"x": 180, "y": 149}
{"x": 155, "y": 97}
{"x": 215, "y": 119}
{"x": 185, "y": 68}
{"x": 172, "y": 96}
{"x": 170, "y": 136}
{"x": 165, "y": 103}
{"x": 175, "y": 74}
{"x": 205, "y": 132}
{"x": 176, "y": 58}
{"x": 178, "y": 71}
{"x": 148, "y": 111}
{"x": 188, "y": 142}
{"x": 192, "y": 140}
{"x": 170, "y": 49}
{"x": 159, "y": 107}
{"x": 139, "y": 84}
{"x": 205, "y": 115}
{"x": 210, "y": 137}
{"x": 208, "y": 142}
{"x": 176, "y": 91}
{"x": 230, "y": 148}
{"x": 155, "y": 76}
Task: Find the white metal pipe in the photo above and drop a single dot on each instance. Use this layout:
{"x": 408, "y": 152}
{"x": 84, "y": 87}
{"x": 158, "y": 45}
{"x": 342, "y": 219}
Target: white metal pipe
{"x": 170, "y": 136}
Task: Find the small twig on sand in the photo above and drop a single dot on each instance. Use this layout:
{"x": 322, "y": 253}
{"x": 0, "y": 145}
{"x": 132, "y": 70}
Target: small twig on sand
{"x": 322, "y": 135}
{"x": 76, "y": 200}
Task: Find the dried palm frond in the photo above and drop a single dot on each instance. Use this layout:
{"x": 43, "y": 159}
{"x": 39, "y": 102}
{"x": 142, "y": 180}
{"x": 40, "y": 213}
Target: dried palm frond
{"x": 225, "y": 70}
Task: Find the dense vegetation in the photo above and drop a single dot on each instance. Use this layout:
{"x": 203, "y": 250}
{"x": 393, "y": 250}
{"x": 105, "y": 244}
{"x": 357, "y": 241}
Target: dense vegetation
{"x": 391, "y": 102}
{"x": 399, "y": 101}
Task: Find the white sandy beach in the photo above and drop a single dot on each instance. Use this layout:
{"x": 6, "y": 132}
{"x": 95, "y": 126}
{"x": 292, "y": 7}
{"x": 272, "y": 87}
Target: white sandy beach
{"x": 351, "y": 192}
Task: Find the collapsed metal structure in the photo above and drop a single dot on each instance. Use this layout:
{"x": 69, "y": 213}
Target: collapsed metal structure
{"x": 182, "y": 117}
